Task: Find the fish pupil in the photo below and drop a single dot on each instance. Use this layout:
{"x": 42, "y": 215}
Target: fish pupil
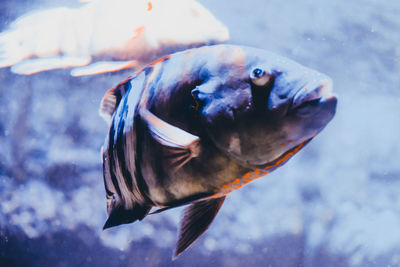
{"x": 258, "y": 73}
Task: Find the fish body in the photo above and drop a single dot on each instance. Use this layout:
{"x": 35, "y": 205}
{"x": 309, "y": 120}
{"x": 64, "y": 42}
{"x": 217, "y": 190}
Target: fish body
{"x": 196, "y": 125}
{"x": 131, "y": 33}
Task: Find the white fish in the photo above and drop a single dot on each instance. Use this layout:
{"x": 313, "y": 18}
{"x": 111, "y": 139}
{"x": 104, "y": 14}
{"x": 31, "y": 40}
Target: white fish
{"x": 118, "y": 34}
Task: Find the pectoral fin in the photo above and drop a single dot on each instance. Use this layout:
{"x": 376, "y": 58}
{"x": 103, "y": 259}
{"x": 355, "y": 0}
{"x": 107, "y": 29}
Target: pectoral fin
{"x": 197, "y": 218}
{"x": 180, "y": 145}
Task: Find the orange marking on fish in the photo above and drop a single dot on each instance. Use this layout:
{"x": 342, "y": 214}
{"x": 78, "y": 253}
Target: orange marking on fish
{"x": 257, "y": 173}
{"x": 109, "y": 91}
{"x": 124, "y": 81}
{"x": 290, "y": 142}
{"x": 246, "y": 180}
{"x": 238, "y": 183}
{"x": 137, "y": 32}
{"x": 226, "y": 186}
{"x": 282, "y": 145}
{"x": 149, "y": 6}
{"x": 286, "y": 157}
{"x": 160, "y": 60}
{"x": 247, "y": 175}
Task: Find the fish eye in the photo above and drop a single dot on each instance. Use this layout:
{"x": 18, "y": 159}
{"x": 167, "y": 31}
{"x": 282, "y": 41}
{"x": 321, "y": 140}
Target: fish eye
{"x": 259, "y": 77}
{"x": 257, "y": 73}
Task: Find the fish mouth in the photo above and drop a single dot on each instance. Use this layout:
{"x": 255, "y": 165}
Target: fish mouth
{"x": 305, "y": 100}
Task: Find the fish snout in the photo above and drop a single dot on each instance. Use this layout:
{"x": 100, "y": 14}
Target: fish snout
{"x": 307, "y": 97}
{"x": 221, "y": 34}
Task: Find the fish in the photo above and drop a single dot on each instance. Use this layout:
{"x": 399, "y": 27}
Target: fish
{"x": 111, "y": 34}
{"x": 193, "y": 126}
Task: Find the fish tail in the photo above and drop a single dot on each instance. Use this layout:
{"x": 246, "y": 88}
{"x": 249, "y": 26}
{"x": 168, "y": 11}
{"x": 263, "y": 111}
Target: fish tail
{"x": 120, "y": 214}
{"x": 123, "y": 205}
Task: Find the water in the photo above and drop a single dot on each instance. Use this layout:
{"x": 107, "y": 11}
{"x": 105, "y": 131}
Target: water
{"x": 336, "y": 203}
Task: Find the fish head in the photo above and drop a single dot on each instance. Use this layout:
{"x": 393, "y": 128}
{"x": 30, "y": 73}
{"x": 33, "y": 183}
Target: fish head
{"x": 260, "y": 106}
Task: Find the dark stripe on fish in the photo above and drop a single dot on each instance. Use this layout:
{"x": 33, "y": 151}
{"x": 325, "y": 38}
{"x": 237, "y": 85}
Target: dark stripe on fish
{"x": 120, "y": 145}
{"x": 111, "y": 158}
{"x": 141, "y": 183}
{"x": 108, "y": 192}
{"x": 121, "y": 89}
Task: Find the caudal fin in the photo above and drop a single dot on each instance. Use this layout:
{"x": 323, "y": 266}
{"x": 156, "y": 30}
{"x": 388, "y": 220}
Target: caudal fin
{"x": 120, "y": 215}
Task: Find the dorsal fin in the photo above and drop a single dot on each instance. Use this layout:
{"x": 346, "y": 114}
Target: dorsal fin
{"x": 112, "y": 98}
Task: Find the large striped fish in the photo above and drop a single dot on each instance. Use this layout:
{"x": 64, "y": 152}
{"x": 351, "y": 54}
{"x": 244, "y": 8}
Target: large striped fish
{"x": 191, "y": 127}
{"x": 116, "y": 34}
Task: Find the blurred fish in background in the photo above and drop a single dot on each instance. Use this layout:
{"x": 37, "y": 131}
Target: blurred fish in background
{"x": 115, "y": 35}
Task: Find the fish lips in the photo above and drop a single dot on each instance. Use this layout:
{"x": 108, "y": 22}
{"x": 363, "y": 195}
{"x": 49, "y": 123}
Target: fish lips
{"x": 308, "y": 102}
